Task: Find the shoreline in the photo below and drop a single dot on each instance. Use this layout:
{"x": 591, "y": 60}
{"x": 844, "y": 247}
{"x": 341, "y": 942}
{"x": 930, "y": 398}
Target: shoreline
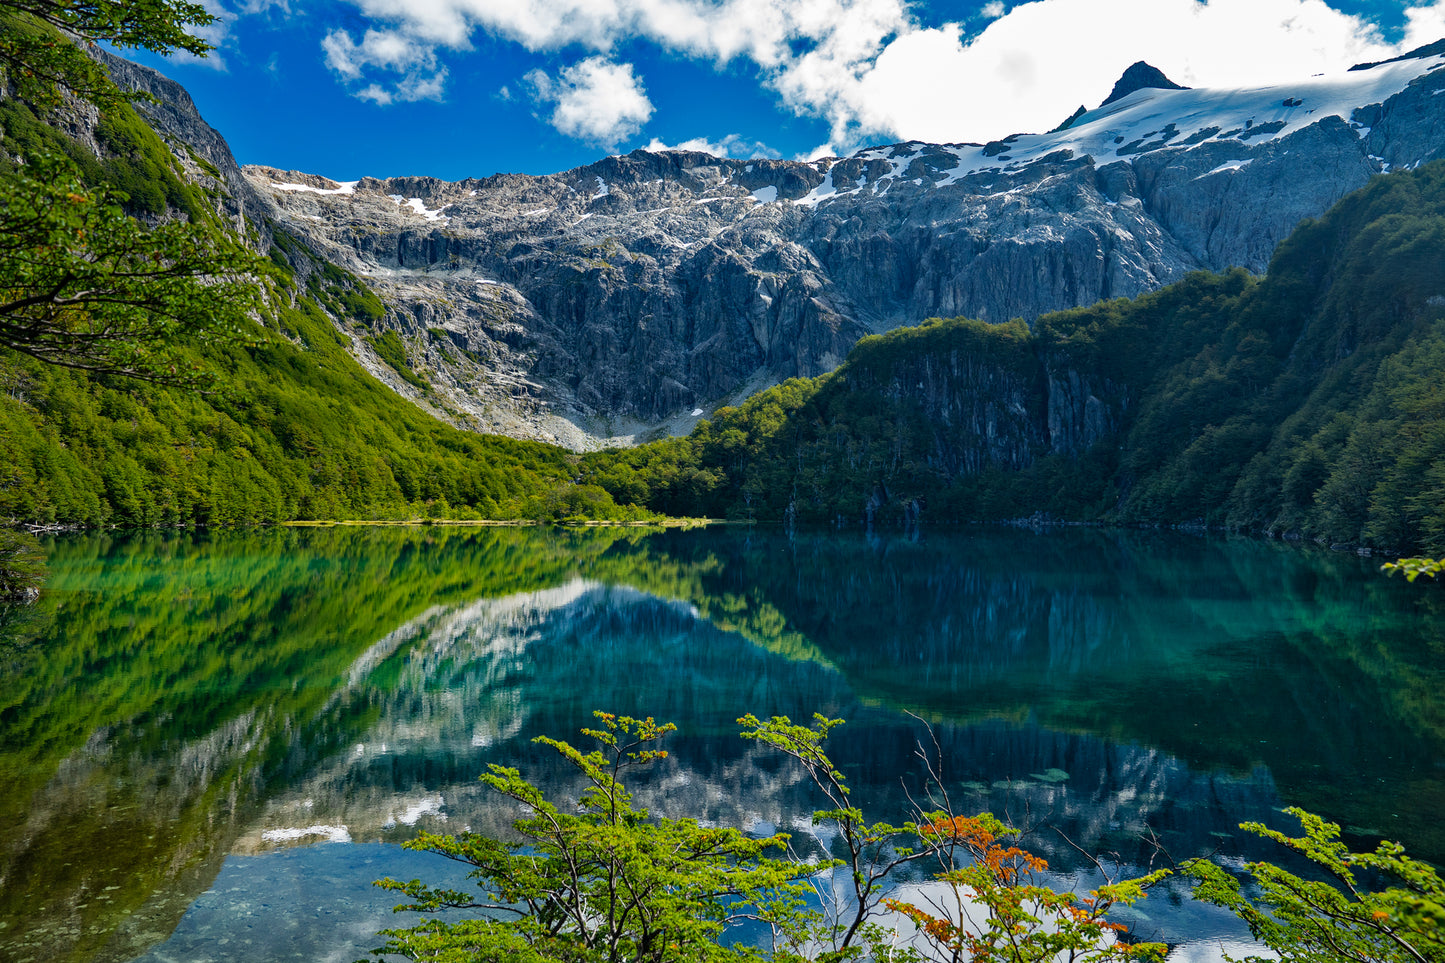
{"x": 684, "y": 523}
{"x": 1035, "y": 523}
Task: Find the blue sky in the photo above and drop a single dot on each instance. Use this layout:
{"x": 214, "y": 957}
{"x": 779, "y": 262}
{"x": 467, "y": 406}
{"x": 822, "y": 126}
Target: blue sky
{"x": 468, "y": 88}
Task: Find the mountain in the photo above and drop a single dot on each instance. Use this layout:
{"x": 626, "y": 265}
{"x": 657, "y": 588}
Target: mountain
{"x": 629, "y": 295}
{"x": 1301, "y": 404}
{"x": 633, "y": 295}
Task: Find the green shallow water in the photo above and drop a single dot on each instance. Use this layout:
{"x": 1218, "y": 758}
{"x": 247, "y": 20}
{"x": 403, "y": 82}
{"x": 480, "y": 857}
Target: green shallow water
{"x": 186, "y": 720}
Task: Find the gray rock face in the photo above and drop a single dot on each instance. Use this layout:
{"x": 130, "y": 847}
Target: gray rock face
{"x": 631, "y": 296}
{"x": 988, "y": 412}
{"x": 201, "y": 150}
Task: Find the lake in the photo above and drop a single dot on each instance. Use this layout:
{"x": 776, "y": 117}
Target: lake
{"x": 211, "y": 744}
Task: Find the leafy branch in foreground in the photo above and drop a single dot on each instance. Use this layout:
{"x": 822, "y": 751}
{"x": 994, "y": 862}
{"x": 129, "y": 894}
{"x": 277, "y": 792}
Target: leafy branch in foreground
{"x": 1340, "y": 918}
{"x": 604, "y": 881}
{"x": 37, "y": 57}
{"x": 992, "y": 907}
{"x": 85, "y": 286}
{"x": 82, "y": 284}
{"x": 869, "y": 852}
{"x": 996, "y": 908}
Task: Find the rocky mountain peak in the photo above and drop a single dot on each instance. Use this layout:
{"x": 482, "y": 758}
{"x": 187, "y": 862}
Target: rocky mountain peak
{"x": 1139, "y": 76}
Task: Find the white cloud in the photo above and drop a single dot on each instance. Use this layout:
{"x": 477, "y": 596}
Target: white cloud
{"x": 385, "y": 49}
{"x": 389, "y": 51}
{"x": 218, "y": 32}
{"x": 418, "y": 87}
{"x": 873, "y": 71}
{"x": 1027, "y": 70}
{"x": 813, "y": 42}
{"x": 406, "y": 90}
{"x": 593, "y": 100}
{"x": 733, "y": 145}
{"x": 375, "y": 93}
{"x": 818, "y": 153}
{"x": 1423, "y": 25}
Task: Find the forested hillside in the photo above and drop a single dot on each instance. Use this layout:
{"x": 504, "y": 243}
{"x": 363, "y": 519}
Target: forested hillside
{"x": 1304, "y": 403}
{"x": 271, "y": 421}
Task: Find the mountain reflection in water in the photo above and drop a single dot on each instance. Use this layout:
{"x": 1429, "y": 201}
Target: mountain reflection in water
{"x": 186, "y": 712}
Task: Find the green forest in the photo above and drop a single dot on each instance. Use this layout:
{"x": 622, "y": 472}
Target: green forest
{"x": 1305, "y": 403}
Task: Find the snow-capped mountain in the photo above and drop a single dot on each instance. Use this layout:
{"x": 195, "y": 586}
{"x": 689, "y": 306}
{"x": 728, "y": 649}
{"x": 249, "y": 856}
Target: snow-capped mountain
{"x": 639, "y": 292}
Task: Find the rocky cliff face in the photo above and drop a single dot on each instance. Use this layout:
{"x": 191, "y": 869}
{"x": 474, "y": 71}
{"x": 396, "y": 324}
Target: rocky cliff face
{"x": 633, "y": 295}
{"x": 985, "y": 414}
{"x": 202, "y": 152}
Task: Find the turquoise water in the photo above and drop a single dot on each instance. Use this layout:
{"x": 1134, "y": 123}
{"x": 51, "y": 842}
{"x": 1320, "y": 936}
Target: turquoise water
{"x": 213, "y": 743}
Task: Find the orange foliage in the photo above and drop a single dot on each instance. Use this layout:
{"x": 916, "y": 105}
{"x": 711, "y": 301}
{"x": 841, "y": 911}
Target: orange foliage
{"x": 1005, "y": 864}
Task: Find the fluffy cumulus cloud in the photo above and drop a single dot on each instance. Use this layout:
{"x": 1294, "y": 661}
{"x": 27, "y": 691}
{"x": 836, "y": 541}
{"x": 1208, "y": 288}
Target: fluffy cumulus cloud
{"x": 594, "y": 100}
{"x": 414, "y": 61}
{"x": 1423, "y": 25}
{"x": 871, "y": 68}
{"x": 813, "y": 42}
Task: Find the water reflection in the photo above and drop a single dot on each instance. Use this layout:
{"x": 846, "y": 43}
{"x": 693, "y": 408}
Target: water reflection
{"x": 191, "y": 706}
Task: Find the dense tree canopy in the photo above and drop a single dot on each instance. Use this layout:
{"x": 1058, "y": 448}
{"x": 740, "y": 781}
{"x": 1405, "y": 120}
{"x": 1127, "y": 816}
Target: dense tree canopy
{"x": 113, "y": 262}
{"x": 83, "y": 282}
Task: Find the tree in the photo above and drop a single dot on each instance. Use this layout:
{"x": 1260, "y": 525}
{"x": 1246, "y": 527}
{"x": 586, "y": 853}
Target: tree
{"x": 870, "y": 852}
{"x": 601, "y": 881}
{"x": 607, "y": 882}
{"x": 81, "y": 283}
{"x": 85, "y": 286}
{"x": 1339, "y": 918}
{"x": 999, "y": 911}
{"x": 37, "y": 57}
